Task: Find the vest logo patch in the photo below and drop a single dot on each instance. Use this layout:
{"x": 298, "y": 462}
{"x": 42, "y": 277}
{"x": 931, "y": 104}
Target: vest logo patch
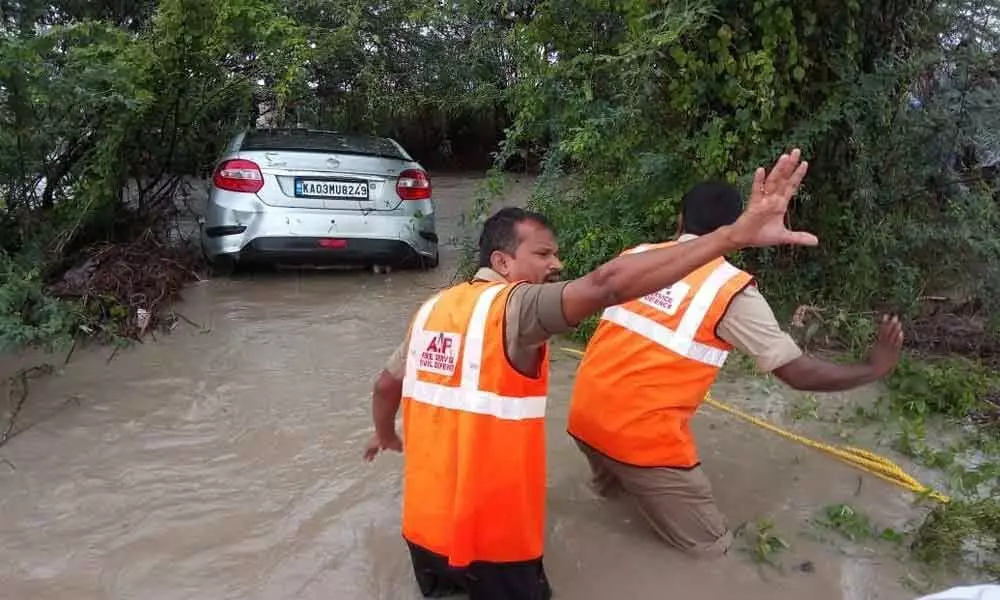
{"x": 668, "y": 300}
{"x": 439, "y": 353}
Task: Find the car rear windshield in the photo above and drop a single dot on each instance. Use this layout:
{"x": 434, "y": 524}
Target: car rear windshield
{"x": 304, "y": 140}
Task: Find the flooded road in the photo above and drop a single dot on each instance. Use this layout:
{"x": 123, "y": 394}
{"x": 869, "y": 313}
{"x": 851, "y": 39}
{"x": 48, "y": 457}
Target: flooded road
{"x": 225, "y": 463}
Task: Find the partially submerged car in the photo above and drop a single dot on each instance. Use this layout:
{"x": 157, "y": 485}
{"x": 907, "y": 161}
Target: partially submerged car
{"x": 308, "y": 197}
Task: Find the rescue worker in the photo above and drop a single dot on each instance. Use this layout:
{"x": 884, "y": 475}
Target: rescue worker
{"x": 651, "y": 362}
{"x": 472, "y": 377}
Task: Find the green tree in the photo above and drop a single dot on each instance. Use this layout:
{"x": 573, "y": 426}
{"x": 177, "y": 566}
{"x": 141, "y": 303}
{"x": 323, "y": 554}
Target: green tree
{"x": 99, "y": 122}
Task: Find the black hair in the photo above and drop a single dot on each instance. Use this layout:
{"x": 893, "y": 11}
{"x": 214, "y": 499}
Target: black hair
{"x": 500, "y": 231}
{"x": 709, "y": 206}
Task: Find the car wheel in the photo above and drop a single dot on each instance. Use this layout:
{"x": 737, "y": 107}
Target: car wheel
{"x": 432, "y": 262}
{"x": 223, "y": 266}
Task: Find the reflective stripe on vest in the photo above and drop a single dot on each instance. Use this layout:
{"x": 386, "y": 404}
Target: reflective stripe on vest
{"x": 682, "y": 340}
{"x": 665, "y": 336}
{"x": 467, "y": 397}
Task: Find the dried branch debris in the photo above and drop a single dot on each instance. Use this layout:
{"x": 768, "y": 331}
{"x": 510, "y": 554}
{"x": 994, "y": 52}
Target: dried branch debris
{"x": 130, "y": 284}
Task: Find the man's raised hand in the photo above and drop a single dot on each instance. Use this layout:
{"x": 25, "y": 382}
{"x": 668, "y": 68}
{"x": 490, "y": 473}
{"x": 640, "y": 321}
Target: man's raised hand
{"x": 763, "y": 221}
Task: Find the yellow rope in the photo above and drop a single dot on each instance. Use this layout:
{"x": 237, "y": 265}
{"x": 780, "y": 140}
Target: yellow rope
{"x": 865, "y": 460}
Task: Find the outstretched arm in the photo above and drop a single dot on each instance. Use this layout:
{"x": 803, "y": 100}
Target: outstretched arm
{"x": 812, "y": 374}
{"x": 750, "y": 326}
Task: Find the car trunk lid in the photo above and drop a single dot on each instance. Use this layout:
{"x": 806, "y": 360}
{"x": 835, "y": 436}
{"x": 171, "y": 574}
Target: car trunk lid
{"x": 304, "y": 171}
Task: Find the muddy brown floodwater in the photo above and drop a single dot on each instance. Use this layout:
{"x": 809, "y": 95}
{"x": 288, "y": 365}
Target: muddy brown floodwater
{"x": 226, "y": 464}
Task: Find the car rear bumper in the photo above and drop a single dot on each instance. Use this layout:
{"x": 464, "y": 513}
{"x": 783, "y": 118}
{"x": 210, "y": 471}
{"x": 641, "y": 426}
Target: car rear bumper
{"x": 255, "y": 231}
{"x": 306, "y": 250}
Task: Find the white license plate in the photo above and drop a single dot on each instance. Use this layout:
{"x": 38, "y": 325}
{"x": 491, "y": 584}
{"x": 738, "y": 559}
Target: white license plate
{"x": 350, "y": 190}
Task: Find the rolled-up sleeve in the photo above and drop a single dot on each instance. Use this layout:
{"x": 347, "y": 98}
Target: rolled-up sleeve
{"x": 750, "y": 326}
{"x": 396, "y": 365}
{"x": 535, "y": 313}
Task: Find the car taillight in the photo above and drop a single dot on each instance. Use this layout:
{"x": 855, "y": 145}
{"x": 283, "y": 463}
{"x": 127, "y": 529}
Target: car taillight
{"x": 238, "y": 175}
{"x": 413, "y": 184}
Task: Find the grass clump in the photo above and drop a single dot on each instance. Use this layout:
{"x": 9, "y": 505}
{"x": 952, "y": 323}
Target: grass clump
{"x": 761, "y": 542}
{"x": 961, "y": 533}
{"x": 853, "y": 524}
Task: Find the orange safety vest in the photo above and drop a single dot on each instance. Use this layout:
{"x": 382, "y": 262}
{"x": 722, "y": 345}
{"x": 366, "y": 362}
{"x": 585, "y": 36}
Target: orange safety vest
{"x": 474, "y": 433}
{"x": 649, "y": 365}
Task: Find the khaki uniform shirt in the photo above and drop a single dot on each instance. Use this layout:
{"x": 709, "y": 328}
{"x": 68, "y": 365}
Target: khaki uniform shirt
{"x": 750, "y": 326}
{"x": 534, "y": 314}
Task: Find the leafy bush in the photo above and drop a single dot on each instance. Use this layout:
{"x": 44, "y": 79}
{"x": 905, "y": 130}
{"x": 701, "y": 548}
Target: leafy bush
{"x": 951, "y": 387}
{"x": 28, "y": 316}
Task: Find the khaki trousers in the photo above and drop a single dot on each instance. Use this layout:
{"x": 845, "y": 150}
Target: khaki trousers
{"x": 678, "y": 503}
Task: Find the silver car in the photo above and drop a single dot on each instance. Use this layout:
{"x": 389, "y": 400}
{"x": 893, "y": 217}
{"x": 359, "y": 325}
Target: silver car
{"x": 306, "y": 197}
